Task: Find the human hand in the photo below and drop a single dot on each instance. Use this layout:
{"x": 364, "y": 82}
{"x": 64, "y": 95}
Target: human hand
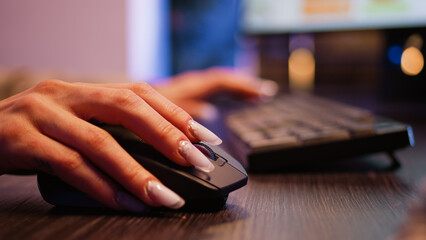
{"x": 46, "y": 128}
{"x": 189, "y": 90}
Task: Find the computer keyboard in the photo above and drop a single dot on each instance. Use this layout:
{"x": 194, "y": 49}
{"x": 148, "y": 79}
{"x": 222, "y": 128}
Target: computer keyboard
{"x": 297, "y": 128}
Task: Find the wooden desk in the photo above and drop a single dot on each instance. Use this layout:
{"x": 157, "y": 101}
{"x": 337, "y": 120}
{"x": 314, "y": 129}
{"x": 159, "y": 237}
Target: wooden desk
{"x": 352, "y": 199}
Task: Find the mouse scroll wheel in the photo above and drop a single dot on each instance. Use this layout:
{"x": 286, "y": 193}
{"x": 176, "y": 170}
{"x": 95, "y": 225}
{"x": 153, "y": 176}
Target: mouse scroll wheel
{"x": 208, "y": 152}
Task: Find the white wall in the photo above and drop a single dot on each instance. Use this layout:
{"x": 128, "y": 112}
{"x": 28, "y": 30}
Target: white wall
{"x": 82, "y": 36}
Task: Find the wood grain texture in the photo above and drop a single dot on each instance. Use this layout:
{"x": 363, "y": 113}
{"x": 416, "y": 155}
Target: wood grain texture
{"x": 346, "y": 203}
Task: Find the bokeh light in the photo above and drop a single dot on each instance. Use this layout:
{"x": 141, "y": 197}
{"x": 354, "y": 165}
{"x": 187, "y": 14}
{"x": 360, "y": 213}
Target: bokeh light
{"x": 412, "y": 61}
{"x": 394, "y": 54}
{"x": 301, "y": 66}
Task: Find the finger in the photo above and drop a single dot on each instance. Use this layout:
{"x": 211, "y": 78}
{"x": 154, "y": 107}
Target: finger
{"x": 242, "y": 83}
{"x": 126, "y": 108}
{"x": 107, "y": 155}
{"x": 206, "y": 83}
{"x": 172, "y": 113}
{"x": 54, "y": 158}
{"x": 102, "y": 150}
{"x": 233, "y": 81}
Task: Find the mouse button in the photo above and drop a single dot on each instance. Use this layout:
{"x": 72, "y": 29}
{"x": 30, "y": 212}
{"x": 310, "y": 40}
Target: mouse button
{"x": 227, "y": 178}
{"x": 143, "y": 152}
{"x": 200, "y": 174}
{"x": 153, "y": 162}
{"x": 220, "y": 161}
{"x": 229, "y": 159}
{"x": 206, "y": 150}
{"x": 210, "y": 153}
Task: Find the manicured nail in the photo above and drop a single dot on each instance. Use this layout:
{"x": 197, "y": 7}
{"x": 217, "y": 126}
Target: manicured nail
{"x": 130, "y": 203}
{"x": 203, "y": 134}
{"x": 195, "y": 156}
{"x": 268, "y": 88}
{"x": 163, "y": 195}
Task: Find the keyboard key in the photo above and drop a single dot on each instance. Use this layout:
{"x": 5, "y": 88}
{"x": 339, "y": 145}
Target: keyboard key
{"x": 252, "y": 136}
{"x": 325, "y": 136}
{"x": 273, "y": 143}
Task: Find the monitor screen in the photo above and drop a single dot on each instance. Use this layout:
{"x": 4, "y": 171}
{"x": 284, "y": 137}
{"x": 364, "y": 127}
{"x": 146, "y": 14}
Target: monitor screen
{"x": 292, "y": 16}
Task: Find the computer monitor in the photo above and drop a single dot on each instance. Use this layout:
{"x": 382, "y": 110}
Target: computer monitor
{"x": 291, "y": 16}
{"x": 352, "y": 42}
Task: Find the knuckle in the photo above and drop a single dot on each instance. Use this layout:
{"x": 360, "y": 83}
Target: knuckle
{"x": 49, "y": 86}
{"x": 97, "y": 138}
{"x": 10, "y": 131}
{"x": 29, "y": 102}
{"x": 134, "y": 175}
{"x": 126, "y": 97}
{"x": 166, "y": 130}
{"x": 69, "y": 162}
{"x": 176, "y": 111}
{"x": 143, "y": 88}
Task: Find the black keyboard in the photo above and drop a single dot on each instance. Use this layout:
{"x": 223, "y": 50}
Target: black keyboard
{"x": 299, "y": 128}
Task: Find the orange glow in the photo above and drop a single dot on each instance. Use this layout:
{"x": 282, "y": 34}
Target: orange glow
{"x": 415, "y": 40}
{"x": 412, "y": 61}
{"x": 327, "y": 6}
{"x": 301, "y": 67}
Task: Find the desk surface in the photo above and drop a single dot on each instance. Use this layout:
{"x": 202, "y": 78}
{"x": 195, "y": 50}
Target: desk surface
{"x": 351, "y": 199}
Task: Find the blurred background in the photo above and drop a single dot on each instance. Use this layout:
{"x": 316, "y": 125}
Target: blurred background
{"x": 375, "y": 47}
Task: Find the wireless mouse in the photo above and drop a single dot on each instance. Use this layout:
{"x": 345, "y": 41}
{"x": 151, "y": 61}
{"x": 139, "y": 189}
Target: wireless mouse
{"x": 202, "y": 191}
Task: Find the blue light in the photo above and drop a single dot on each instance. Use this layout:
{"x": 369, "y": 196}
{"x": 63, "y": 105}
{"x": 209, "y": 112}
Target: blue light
{"x": 394, "y": 54}
{"x": 148, "y": 40}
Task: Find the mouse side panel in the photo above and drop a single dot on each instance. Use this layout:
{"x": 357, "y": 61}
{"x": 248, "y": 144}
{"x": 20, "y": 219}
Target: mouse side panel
{"x": 58, "y": 193}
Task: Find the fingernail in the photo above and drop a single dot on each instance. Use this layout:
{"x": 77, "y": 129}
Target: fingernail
{"x": 203, "y": 134}
{"x": 195, "y": 156}
{"x": 130, "y": 203}
{"x": 163, "y": 195}
{"x": 268, "y": 88}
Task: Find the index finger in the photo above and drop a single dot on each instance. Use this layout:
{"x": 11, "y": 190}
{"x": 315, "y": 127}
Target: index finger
{"x": 124, "y": 107}
{"x": 170, "y": 111}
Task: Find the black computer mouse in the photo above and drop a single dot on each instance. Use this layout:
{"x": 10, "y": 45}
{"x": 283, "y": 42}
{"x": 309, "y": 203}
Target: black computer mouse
{"x": 201, "y": 190}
